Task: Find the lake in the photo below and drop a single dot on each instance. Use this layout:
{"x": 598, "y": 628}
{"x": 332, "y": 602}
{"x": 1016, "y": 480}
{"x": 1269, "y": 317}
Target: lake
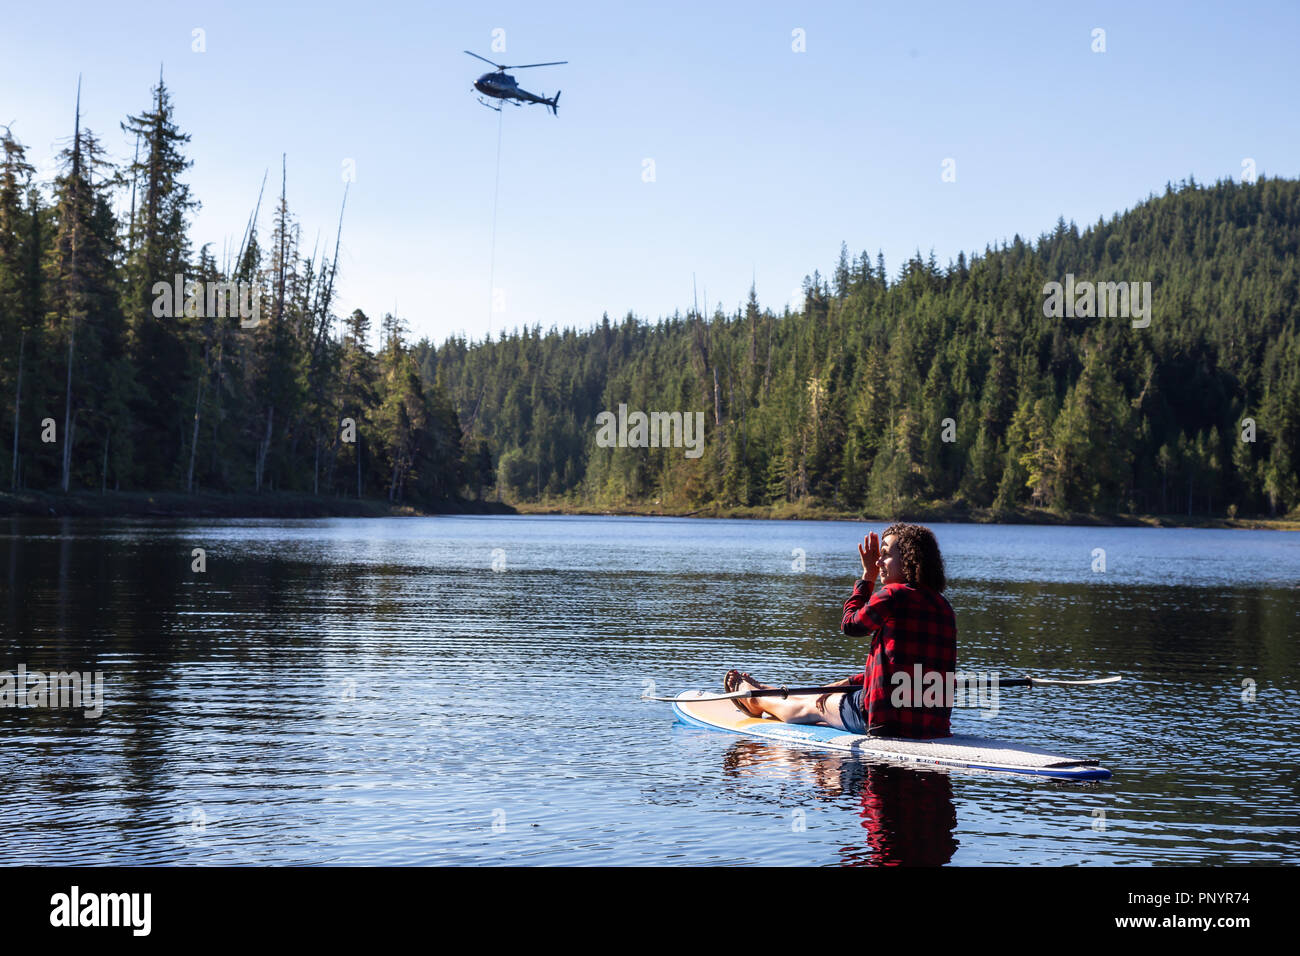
{"x": 467, "y": 690}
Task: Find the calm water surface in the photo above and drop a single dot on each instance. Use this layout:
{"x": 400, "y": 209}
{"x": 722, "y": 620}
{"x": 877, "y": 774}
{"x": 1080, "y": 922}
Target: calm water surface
{"x": 465, "y": 690}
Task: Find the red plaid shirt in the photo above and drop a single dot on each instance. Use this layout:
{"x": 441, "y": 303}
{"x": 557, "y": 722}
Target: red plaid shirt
{"x": 907, "y": 626}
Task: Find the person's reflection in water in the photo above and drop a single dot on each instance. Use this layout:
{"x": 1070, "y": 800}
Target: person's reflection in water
{"x": 908, "y": 814}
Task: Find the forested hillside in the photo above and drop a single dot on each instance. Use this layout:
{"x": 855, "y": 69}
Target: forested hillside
{"x": 103, "y": 392}
{"x": 939, "y": 384}
{"x": 931, "y": 385}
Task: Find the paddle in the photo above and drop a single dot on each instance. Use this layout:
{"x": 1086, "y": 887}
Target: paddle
{"x": 784, "y": 692}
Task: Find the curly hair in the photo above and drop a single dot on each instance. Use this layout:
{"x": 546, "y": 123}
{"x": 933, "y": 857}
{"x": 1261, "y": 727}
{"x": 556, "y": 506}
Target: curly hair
{"x": 918, "y": 550}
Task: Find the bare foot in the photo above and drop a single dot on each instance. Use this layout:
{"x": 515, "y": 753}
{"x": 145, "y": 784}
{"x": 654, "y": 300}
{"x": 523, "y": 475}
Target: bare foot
{"x": 751, "y": 706}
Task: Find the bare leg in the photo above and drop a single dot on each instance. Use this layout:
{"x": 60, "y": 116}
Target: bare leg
{"x": 794, "y": 710}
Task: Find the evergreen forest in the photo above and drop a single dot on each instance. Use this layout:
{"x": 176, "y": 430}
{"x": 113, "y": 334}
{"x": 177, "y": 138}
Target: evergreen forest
{"x": 926, "y": 385}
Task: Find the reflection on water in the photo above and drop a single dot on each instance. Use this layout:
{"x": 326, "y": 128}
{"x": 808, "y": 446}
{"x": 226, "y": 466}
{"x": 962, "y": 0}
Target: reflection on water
{"x": 907, "y": 815}
{"x": 373, "y": 691}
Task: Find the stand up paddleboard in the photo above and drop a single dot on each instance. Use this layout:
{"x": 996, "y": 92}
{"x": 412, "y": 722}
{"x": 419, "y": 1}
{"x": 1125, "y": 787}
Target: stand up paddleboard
{"x": 970, "y": 753}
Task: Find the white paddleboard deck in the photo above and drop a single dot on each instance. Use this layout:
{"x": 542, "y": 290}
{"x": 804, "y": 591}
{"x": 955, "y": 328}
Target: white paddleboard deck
{"x": 972, "y": 753}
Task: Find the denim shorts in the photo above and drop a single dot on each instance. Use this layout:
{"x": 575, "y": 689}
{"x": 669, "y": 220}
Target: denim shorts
{"x": 851, "y": 711}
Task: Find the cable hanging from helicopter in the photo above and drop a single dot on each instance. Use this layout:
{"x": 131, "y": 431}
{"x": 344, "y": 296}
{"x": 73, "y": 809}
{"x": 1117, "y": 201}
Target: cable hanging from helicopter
{"x": 501, "y": 86}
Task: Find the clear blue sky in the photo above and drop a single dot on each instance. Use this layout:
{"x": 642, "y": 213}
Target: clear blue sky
{"x": 765, "y": 159}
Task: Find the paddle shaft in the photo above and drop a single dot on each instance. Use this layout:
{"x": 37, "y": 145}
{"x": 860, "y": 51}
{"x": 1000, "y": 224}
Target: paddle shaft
{"x": 784, "y": 692}
{"x": 787, "y": 691}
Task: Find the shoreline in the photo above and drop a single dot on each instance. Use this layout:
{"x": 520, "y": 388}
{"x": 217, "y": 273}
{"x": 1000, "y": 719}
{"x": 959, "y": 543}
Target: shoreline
{"x": 179, "y": 504}
{"x": 281, "y": 504}
{"x": 920, "y": 514}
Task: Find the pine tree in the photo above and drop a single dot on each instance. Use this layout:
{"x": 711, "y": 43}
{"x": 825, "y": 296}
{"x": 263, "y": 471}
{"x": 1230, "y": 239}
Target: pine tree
{"x": 160, "y": 253}
{"x": 21, "y": 286}
{"x": 85, "y": 308}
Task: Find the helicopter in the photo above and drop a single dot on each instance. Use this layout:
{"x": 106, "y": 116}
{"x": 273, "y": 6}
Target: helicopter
{"x": 502, "y": 86}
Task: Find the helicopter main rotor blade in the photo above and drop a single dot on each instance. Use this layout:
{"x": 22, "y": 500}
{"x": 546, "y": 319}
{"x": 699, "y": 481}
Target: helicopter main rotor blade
{"x": 486, "y": 60}
{"x": 524, "y": 66}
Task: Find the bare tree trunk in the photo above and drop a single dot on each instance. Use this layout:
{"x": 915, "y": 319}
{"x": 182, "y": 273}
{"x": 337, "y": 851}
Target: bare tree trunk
{"x": 767, "y": 361}
{"x": 67, "y": 411}
{"x": 327, "y": 295}
{"x": 266, "y": 445}
{"x": 135, "y": 177}
{"x": 103, "y": 481}
{"x": 284, "y": 235}
{"x": 262, "y": 449}
{"x": 717, "y": 399}
{"x": 397, "y": 468}
{"x": 334, "y": 460}
{"x": 194, "y": 443}
{"x": 216, "y": 412}
{"x": 77, "y": 292}
{"x": 18, "y": 397}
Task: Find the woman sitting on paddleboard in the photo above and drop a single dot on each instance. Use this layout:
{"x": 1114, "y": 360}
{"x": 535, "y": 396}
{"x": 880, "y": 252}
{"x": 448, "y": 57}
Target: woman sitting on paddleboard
{"x": 909, "y": 622}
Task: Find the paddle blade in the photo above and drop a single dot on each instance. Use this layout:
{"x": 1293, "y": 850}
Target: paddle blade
{"x": 1076, "y": 683}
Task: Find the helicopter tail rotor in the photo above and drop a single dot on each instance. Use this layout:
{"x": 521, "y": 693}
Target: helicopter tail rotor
{"x": 554, "y": 102}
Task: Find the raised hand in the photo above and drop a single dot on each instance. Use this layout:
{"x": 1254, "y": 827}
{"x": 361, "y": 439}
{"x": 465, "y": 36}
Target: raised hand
{"x": 869, "y": 551}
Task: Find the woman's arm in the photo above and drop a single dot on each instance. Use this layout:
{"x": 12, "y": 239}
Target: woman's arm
{"x": 854, "y": 624}
{"x": 860, "y": 618}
